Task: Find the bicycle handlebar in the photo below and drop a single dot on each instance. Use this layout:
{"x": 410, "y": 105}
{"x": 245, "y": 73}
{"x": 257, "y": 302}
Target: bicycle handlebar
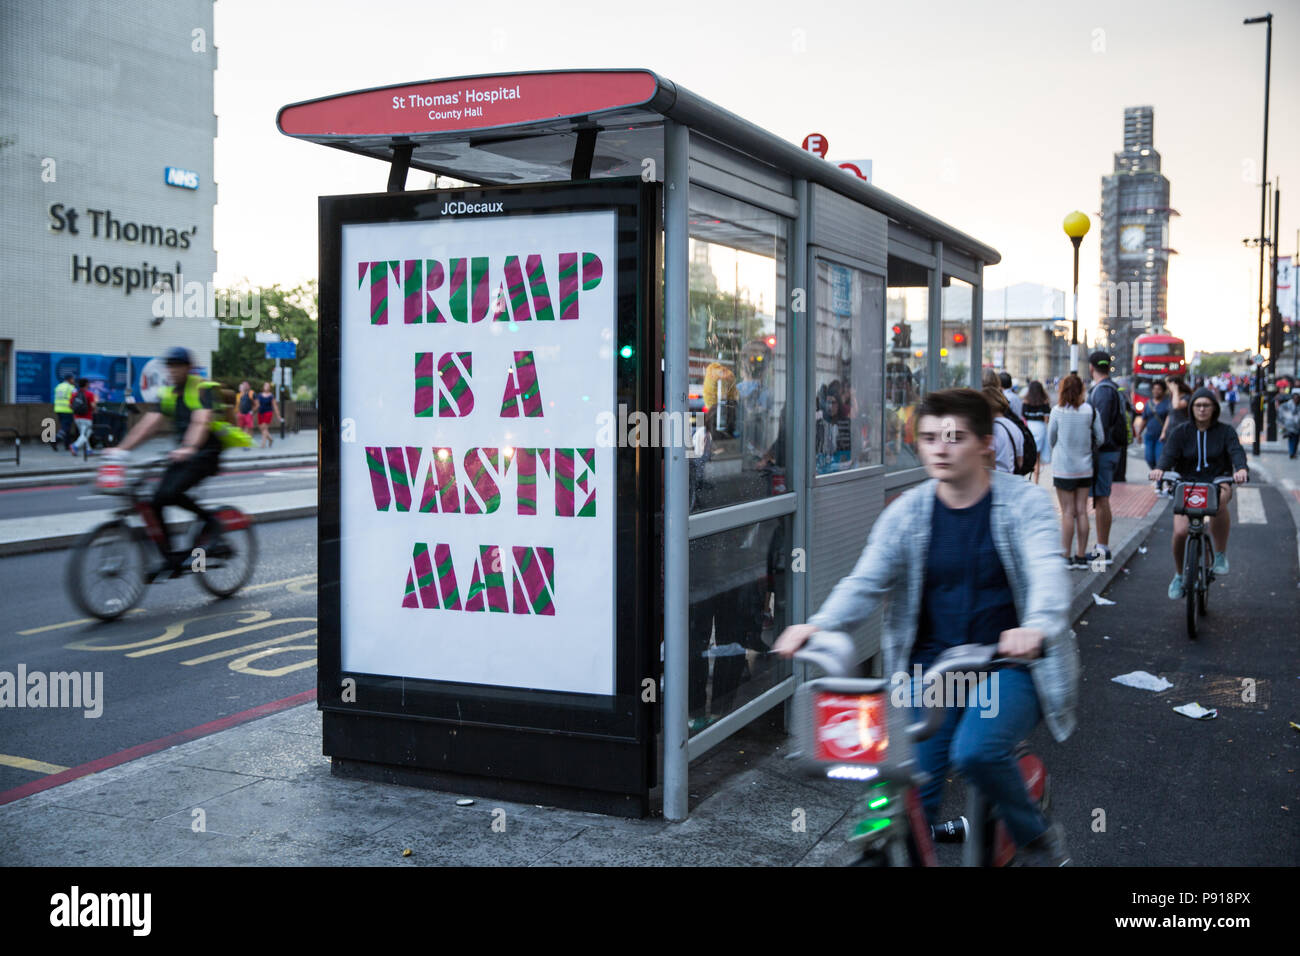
{"x": 833, "y": 652}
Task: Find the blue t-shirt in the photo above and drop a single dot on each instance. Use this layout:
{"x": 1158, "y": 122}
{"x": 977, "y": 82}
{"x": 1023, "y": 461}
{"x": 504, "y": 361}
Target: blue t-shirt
{"x": 967, "y": 597}
{"x": 1151, "y": 430}
{"x": 264, "y": 402}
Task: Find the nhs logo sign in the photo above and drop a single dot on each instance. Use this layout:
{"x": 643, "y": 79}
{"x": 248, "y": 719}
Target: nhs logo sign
{"x": 185, "y": 178}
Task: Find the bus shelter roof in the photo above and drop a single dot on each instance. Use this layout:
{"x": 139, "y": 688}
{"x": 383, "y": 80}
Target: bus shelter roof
{"x": 546, "y": 126}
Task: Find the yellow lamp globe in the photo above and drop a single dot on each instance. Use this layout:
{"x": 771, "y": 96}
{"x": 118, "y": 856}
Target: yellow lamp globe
{"x": 1076, "y": 225}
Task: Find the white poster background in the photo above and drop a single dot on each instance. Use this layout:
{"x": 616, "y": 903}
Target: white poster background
{"x": 574, "y": 649}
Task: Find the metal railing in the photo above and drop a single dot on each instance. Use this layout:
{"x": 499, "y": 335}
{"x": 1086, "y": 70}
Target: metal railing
{"x": 18, "y": 443}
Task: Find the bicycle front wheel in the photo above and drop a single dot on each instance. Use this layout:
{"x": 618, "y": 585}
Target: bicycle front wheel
{"x": 229, "y": 552}
{"x": 106, "y": 569}
{"x": 1191, "y": 580}
{"x": 1207, "y": 569}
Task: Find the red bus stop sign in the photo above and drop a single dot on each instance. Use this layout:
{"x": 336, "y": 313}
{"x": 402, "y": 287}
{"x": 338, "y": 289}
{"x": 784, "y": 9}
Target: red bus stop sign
{"x": 816, "y": 143}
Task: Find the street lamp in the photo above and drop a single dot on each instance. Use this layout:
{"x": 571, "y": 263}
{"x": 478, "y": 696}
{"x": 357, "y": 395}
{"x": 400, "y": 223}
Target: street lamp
{"x": 1076, "y": 226}
{"x": 1256, "y": 398}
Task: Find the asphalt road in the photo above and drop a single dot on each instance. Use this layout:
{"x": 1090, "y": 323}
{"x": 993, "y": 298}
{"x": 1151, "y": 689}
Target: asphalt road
{"x": 62, "y": 498}
{"x": 1140, "y": 785}
{"x": 180, "y": 660}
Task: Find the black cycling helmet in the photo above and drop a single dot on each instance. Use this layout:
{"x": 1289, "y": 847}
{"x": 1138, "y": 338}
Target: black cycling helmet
{"x": 178, "y": 356}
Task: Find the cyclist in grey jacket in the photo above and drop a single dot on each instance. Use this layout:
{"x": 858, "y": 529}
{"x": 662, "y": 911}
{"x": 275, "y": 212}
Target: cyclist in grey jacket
{"x": 970, "y": 556}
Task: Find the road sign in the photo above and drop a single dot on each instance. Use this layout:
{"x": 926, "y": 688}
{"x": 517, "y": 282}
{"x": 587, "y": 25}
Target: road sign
{"x": 282, "y": 350}
{"x": 816, "y": 143}
{"x": 266, "y": 336}
{"x": 857, "y": 167}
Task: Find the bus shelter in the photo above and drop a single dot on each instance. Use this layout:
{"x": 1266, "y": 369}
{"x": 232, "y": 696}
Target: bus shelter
{"x": 598, "y": 424}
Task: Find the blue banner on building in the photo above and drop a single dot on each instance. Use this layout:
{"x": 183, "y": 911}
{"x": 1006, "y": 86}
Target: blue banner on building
{"x": 37, "y": 373}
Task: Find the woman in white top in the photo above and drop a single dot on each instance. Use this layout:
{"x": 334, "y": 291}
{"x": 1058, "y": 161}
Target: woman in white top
{"x": 1008, "y": 440}
{"x": 1071, "y": 430}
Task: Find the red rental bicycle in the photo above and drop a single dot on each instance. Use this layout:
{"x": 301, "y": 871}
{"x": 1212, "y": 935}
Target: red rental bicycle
{"x": 109, "y": 567}
{"x": 848, "y": 730}
{"x": 1198, "y": 501}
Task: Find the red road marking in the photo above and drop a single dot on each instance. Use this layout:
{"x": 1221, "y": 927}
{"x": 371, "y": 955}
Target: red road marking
{"x": 10, "y": 491}
{"x": 153, "y": 746}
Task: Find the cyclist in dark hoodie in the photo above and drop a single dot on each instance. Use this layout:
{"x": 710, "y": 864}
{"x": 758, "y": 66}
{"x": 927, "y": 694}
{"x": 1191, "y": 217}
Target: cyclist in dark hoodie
{"x": 1201, "y": 449}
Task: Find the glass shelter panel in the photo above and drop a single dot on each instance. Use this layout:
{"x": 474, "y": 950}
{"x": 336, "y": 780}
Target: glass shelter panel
{"x": 739, "y": 597}
{"x": 907, "y": 317}
{"x": 739, "y": 352}
{"x": 846, "y": 411}
{"x": 954, "y": 350}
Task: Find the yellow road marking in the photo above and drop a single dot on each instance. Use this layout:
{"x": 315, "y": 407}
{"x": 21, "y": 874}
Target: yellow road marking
{"x": 244, "y": 664}
{"x": 81, "y": 620}
{"x": 176, "y": 645}
{"x": 170, "y": 632}
{"x": 24, "y": 763}
{"x": 287, "y": 582}
{"x": 249, "y": 647}
{"x": 294, "y": 585}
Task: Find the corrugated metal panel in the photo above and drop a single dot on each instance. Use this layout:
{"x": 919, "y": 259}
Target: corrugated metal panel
{"x": 910, "y": 245}
{"x": 846, "y": 226}
{"x": 843, "y": 514}
{"x": 714, "y": 154}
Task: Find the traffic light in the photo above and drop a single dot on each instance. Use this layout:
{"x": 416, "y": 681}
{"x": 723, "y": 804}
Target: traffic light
{"x": 959, "y": 338}
{"x": 897, "y": 330}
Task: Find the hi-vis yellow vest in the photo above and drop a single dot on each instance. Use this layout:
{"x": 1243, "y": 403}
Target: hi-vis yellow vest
{"x": 63, "y": 398}
{"x": 228, "y": 434}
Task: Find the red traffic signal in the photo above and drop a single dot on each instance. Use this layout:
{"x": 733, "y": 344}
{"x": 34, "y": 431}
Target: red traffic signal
{"x": 897, "y": 330}
{"x": 959, "y": 338}
{"x": 771, "y": 341}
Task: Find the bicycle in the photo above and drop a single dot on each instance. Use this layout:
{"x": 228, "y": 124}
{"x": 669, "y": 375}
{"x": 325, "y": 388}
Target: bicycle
{"x": 108, "y": 568}
{"x": 1197, "y": 500}
{"x": 848, "y": 730}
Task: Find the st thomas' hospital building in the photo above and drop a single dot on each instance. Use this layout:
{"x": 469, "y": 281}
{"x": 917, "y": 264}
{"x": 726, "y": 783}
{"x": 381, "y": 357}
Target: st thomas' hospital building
{"x": 106, "y": 159}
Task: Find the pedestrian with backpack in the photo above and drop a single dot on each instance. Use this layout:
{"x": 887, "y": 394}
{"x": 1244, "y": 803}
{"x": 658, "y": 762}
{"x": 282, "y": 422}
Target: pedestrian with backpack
{"x": 1008, "y": 443}
{"x": 1036, "y": 411}
{"x": 82, "y": 404}
{"x": 1108, "y": 402}
{"x": 1073, "y": 429}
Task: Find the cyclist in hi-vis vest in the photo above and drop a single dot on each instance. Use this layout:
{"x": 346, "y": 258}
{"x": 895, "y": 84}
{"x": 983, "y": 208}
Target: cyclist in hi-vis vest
{"x": 192, "y": 403}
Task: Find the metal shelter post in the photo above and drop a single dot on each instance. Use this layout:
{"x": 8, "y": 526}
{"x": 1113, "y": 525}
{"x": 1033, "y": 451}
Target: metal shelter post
{"x": 977, "y": 327}
{"x": 676, "y": 546}
{"x": 933, "y": 363}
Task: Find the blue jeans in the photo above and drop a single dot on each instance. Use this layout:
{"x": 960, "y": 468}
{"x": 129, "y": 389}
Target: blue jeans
{"x": 982, "y": 749}
{"x": 1291, "y": 442}
{"x": 1153, "y": 449}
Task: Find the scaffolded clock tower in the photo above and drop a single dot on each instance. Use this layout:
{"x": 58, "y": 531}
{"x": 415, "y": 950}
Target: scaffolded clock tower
{"x": 1135, "y": 248}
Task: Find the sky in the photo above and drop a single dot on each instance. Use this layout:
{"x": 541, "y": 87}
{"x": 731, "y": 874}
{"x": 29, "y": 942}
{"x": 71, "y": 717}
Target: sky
{"x": 997, "y": 117}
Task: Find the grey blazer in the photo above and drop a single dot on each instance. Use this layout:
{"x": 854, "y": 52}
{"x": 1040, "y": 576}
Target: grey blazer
{"x": 1026, "y": 534}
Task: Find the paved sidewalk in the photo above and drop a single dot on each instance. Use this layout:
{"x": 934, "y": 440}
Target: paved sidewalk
{"x": 262, "y": 794}
{"x": 40, "y": 464}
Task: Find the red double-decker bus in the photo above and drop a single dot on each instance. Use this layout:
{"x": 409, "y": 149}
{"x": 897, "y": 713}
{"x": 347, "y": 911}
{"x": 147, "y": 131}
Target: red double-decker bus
{"x": 1155, "y": 357}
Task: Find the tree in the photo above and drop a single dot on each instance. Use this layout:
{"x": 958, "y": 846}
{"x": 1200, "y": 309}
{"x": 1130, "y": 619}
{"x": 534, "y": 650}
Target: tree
{"x": 292, "y": 314}
{"x": 1211, "y": 365}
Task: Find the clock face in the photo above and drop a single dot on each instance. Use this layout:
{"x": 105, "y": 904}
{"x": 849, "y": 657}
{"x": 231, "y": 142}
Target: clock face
{"x": 1132, "y": 238}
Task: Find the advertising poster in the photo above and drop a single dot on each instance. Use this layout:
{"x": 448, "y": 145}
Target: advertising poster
{"x": 476, "y": 506}
{"x": 39, "y": 372}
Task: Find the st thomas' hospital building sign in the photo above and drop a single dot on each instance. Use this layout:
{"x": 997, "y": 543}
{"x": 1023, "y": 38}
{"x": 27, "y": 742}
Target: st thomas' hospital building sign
{"x": 476, "y": 505}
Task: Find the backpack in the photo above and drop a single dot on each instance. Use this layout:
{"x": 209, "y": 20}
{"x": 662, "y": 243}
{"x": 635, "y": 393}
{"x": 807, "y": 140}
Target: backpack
{"x": 78, "y": 403}
{"x": 1117, "y": 430}
{"x": 1028, "y": 454}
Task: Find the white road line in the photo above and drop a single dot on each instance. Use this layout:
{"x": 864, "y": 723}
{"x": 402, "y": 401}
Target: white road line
{"x": 1250, "y": 506}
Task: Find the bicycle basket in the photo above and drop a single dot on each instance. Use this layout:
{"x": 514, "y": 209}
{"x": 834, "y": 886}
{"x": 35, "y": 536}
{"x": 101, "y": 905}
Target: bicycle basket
{"x": 844, "y": 721}
{"x": 1196, "y": 499}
